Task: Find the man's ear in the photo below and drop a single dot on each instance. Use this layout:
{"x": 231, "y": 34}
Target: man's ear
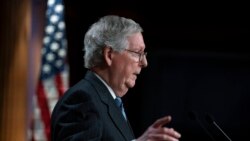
{"x": 107, "y": 54}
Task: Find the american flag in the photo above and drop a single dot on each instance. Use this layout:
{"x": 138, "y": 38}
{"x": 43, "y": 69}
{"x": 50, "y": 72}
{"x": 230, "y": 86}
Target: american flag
{"x": 53, "y": 80}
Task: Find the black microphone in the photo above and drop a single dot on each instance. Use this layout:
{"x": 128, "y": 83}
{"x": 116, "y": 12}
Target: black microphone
{"x": 211, "y": 121}
{"x": 193, "y": 116}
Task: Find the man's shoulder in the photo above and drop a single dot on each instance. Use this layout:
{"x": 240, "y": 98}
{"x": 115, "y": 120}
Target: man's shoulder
{"x": 81, "y": 86}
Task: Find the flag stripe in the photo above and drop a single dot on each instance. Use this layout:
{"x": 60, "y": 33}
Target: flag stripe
{"x": 38, "y": 133}
{"x": 59, "y": 85}
{"x": 51, "y": 92}
{"x": 43, "y": 106}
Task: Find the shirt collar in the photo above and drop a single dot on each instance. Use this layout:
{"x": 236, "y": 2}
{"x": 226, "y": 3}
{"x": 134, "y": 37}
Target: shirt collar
{"x": 109, "y": 88}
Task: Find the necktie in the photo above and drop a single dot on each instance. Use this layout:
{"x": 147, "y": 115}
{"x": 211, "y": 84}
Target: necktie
{"x": 118, "y": 102}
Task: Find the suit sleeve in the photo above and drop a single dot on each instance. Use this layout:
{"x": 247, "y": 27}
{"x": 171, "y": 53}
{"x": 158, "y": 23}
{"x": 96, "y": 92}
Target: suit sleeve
{"x": 78, "y": 119}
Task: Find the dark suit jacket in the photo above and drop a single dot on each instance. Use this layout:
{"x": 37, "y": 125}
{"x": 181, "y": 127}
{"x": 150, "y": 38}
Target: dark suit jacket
{"x": 87, "y": 112}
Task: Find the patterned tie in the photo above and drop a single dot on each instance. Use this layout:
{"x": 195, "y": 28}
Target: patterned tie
{"x": 118, "y": 102}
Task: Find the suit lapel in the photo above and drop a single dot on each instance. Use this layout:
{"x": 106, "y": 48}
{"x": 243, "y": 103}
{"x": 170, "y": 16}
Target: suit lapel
{"x": 113, "y": 110}
{"x": 120, "y": 122}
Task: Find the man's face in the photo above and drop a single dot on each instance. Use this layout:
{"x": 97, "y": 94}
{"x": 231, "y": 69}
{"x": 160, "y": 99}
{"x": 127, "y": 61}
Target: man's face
{"x": 127, "y": 65}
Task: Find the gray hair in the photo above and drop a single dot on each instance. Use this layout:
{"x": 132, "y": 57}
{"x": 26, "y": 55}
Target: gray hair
{"x": 109, "y": 31}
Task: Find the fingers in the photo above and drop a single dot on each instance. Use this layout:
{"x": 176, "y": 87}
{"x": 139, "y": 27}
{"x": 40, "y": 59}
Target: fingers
{"x": 171, "y": 132}
{"x": 165, "y": 132}
{"x": 156, "y": 132}
{"x": 162, "y": 121}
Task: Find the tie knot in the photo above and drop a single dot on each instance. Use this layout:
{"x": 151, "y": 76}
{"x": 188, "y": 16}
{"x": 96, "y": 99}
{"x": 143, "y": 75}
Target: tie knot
{"x": 118, "y": 102}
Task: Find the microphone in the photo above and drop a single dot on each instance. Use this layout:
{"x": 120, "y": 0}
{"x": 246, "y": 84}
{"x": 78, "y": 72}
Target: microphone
{"x": 211, "y": 121}
{"x": 193, "y": 116}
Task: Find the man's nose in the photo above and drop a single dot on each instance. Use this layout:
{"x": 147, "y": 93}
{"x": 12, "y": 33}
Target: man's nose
{"x": 144, "y": 62}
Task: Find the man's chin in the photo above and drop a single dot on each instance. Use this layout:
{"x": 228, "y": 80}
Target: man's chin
{"x": 131, "y": 84}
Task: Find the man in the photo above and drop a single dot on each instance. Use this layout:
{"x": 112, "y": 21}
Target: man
{"x": 114, "y": 54}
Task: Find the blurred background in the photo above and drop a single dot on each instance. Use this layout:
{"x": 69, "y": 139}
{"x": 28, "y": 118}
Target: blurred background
{"x": 199, "y": 65}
